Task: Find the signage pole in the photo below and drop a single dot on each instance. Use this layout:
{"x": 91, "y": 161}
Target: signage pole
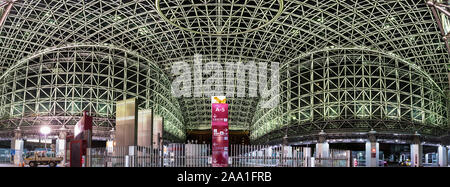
{"x": 219, "y": 126}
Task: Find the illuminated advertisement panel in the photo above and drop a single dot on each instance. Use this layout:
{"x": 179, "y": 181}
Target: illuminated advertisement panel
{"x": 145, "y": 128}
{"x": 219, "y": 126}
{"x": 126, "y": 119}
{"x": 84, "y": 124}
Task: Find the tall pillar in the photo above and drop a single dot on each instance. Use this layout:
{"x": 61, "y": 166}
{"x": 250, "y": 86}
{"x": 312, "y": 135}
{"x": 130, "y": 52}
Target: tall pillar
{"x": 61, "y": 145}
{"x": 443, "y": 153}
{"x": 372, "y": 150}
{"x": 322, "y": 149}
{"x": 111, "y": 141}
{"x": 13, "y": 149}
{"x": 416, "y": 152}
{"x": 448, "y": 153}
{"x": 18, "y": 147}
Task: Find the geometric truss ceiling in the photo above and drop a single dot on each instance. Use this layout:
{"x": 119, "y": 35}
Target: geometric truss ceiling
{"x": 166, "y": 31}
{"x": 350, "y": 90}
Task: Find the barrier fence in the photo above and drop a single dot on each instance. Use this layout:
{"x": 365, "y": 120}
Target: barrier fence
{"x": 269, "y": 156}
{"x": 336, "y": 158}
{"x": 199, "y": 155}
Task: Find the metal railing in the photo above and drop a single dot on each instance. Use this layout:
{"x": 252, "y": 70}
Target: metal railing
{"x": 336, "y": 158}
{"x": 199, "y": 155}
{"x": 269, "y": 156}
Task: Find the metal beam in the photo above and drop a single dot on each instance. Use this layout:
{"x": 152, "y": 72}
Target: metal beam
{"x": 6, "y": 12}
{"x": 3, "y": 3}
{"x": 442, "y": 8}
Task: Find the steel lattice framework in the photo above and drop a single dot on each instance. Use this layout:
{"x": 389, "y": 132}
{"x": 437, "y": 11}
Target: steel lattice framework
{"x": 167, "y": 31}
{"x": 55, "y": 85}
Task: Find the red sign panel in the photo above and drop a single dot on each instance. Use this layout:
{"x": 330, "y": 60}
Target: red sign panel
{"x": 79, "y": 144}
{"x": 83, "y": 125}
{"x": 219, "y": 126}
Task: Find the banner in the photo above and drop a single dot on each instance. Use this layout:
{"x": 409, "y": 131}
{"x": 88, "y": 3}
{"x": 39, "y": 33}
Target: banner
{"x": 82, "y": 141}
{"x": 145, "y": 126}
{"x": 219, "y": 126}
{"x": 126, "y": 123}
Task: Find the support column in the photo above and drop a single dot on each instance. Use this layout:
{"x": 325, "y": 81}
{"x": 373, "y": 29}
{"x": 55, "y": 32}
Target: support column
{"x": 372, "y": 150}
{"x": 443, "y": 153}
{"x": 349, "y": 158}
{"x": 322, "y": 150}
{"x": 61, "y": 145}
{"x": 110, "y": 144}
{"x": 12, "y": 150}
{"x": 307, "y": 157}
{"x": 416, "y": 152}
{"x": 18, "y": 147}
